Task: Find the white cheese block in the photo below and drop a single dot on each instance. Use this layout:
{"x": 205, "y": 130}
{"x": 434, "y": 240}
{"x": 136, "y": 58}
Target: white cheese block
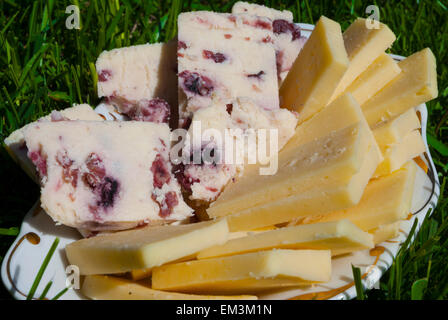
{"x": 103, "y": 175}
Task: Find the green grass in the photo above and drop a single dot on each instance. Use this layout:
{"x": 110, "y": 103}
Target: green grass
{"x": 44, "y": 66}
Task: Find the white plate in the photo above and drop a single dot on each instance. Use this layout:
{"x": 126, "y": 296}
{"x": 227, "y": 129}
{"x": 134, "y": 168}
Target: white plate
{"x": 24, "y": 257}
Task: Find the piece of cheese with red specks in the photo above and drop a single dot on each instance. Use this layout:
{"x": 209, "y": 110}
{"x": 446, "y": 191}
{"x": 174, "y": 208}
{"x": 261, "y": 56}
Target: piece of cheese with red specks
{"x": 114, "y": 288}
{"x": 101, "y": 175}
{"x": 15, "y": 142}
{"x": 287, "y": 39}
{"x": 316, "y": 72}
{"x": 142, "y": 72}
{"x": 217, "y": 60}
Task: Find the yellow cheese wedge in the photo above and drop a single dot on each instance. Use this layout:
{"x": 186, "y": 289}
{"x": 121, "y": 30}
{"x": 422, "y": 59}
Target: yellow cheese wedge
{"x": 338, "y": 236}
{"x": 245, "y": 273}
{"x": 386, "y": 232}
{"x": 383, "y": 70}
{"x": 363, "y": 46}
{"x": 385, "y": 200}
{"x": 316, "y": 72}
{"x": 112, "y": 288}
{"x": 330, "y": 163}
{"x": 396, "y": 129}
{"x": 307, "y": 203}
{"x": 145, "y": 247}
{"x": 396, "y": 155}
{"x": 416, "y": 84}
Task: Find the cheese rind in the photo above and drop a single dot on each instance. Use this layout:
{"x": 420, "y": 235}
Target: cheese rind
{"x": 363, "y": 45}
{"x": 416, "y": 84}
{"x": 145, "y": 247}
{"x": 113, "y": 288}
{"x": 398, "y": 154}
{"x": 385, "y": 200}
{"x": 340, "y": 237}
{"x": 383, "y": 70}
{"x": 262, "y": 11}
{"x": 15, "y": 142}
{"x": 245, "y": 273}
{"x": 393, "y": 131}
{"x": 316, "y": 72}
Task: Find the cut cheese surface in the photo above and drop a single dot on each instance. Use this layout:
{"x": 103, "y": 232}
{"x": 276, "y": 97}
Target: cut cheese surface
{"x": 316, "y": 72}
{"x": 308, "y": 203}
{"x": 396, "y": 129}
{"x": 386, "y": 232}
{"x": 385, "y": 200}
{"x": 363, "y": 44}
{"x": 145, "y": 247}
{"x": 113, "y": 288}
{"x": 396, "y": 155}
{"x": 245, "y": 273}
{"x": 15, "y": 142}
{"x": 338, "y": 236}
{"x": 330, "y": 161}
{"x": 416, "y": 84}
{"x": 383, "y": 70}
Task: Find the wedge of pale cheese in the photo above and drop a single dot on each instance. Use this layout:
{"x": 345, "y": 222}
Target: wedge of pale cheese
{"x": 316, "y": 72}
{"x": 245, "y": 273}
{"x": 416, "y": 84}
{"x": 364, "y": 43}
{"x": 385, "y": 232}
{"x": 15, "y": 142}
{"x": 326, "y": 165}
{"x": 145, "y": 247}
{"x": 98, "y": 287}
{"x": 398, "y": 154}
{"x": 382, "y": 71}
{"x": 338, "y": 236}
{"x": 393, "y": 131}
{"x": 385, "y": 200}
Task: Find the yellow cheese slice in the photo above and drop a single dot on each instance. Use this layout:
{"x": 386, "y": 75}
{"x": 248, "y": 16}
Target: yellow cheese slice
{"x": 100, "y": 287}
{"x": 316, "y": 72}
{"x": 331, "y": 161}
{"x": 363, "y": 45}
{"x": 245, "y": 273}
{"x": 145, "y": 247}
{"x": 416, "y": 84}
{"x": 396, "y": 129}
{"x": 338, "y": 236}
{"x": 398, "y": 154}
{"x": 386, "y": 232}
{"x": 383, "y": 70}
{"x": 385, "y": 200}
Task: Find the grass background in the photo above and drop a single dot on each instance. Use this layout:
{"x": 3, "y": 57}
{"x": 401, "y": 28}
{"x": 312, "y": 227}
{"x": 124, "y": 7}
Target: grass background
{"x": 45, "y": 66}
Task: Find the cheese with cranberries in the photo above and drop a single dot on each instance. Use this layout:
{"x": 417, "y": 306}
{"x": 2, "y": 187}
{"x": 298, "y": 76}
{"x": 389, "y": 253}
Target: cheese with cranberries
{"x": 15, "y": 142}
{"x": 287, "y": 39}
{"x": 242, "y": 118}
{"x": 103, "y": 175}
{"x": 140, "y": 80}
{"x": 224, "y": 56}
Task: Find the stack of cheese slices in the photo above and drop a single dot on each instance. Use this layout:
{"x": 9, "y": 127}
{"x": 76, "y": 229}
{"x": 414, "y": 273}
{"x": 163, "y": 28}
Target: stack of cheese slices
{"x": 344, "y": 182}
